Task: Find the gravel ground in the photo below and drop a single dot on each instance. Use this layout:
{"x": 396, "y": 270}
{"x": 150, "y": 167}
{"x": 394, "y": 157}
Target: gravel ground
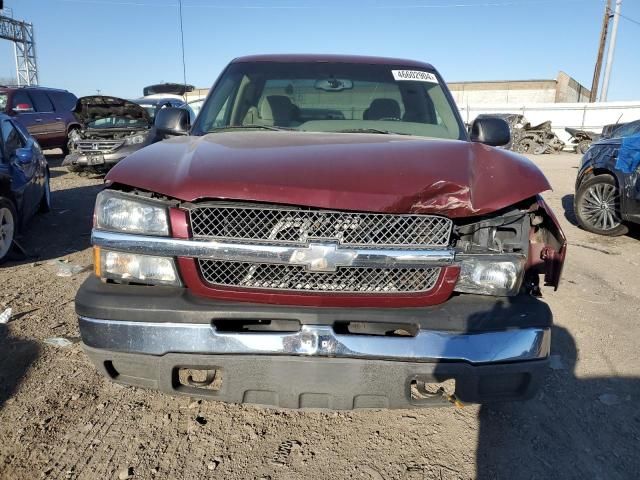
{"x": 60, "y": 419}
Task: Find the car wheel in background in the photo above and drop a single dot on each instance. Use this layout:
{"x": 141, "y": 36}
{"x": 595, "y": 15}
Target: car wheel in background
{"x": 597, "y": 206}
{"x": 8, "y": 219}
{"x": 526, "y": 145}
{"x": 45, "y": 203}
{"x": 583, "y": 146}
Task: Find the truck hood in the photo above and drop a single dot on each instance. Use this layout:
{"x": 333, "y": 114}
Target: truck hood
{"x": 344, "y": 171}
{"x": 94, "y": 107}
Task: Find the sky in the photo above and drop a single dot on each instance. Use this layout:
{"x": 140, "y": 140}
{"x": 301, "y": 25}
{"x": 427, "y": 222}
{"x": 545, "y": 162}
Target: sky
{"x": 119, "y": 46}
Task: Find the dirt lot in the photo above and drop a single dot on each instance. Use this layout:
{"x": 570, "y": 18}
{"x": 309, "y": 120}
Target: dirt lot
{"x": 59, "y": 419}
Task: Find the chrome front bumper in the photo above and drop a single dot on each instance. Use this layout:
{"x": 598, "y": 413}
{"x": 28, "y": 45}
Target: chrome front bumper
{"x": 162, "y": 338}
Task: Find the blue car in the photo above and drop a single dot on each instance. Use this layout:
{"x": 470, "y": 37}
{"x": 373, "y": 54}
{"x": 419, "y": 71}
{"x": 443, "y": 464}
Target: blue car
{"x": 24, "y": 181}
{"x": 607, "y": 195}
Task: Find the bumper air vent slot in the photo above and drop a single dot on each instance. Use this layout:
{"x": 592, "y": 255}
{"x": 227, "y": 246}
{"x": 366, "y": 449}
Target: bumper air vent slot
{"x": 241, "y": 325}
{"x": 374, "y": 328}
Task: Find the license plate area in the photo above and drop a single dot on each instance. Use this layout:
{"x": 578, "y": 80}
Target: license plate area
{"x": 95, "y": 159}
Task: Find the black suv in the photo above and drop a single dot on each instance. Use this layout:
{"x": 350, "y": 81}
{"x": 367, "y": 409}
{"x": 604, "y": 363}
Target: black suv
{"x": 45, "y": 112}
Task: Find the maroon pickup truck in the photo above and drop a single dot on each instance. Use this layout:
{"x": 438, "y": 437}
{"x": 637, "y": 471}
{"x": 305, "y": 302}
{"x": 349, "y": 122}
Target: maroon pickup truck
{"x": 325, "y": 234}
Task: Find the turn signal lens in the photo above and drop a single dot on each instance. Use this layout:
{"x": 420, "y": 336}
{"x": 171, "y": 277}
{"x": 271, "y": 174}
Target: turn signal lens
{"x": 132, "y": 268}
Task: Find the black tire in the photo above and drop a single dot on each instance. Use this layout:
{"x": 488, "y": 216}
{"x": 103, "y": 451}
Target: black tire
{"x": 8, "y": 227}
{"x": 45, "y": 203}
{"x": 526, "y": 145}
{"x": 597, "y": 206}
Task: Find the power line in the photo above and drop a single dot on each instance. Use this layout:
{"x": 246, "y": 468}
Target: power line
{"x": 630, "y": 19}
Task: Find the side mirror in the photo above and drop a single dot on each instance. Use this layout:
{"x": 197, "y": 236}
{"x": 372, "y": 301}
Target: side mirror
{"x": 23, "y": 108}
{"x": 24, "y": 155}
{"x": 172, "y": 121}
{"x": 490, "y": 131}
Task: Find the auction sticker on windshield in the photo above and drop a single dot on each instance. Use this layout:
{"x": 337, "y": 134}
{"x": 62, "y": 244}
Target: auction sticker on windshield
{"x": 414, "y": 75}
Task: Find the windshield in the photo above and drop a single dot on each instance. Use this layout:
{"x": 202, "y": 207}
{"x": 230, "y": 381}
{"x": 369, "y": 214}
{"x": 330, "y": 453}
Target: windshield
{"x": 3, "y": 102}
{"x": 632, "y": 128}
{"x": 118, "y": 122}
{"x": 331, "y": 97}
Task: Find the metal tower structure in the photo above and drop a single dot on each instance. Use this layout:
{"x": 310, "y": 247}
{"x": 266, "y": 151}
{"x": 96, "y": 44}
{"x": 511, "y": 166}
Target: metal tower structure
{"x": 21, "y": 34}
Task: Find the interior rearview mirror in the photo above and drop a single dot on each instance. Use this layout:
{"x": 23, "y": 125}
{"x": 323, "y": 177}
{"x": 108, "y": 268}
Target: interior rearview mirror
{"x": 334, "y": 84}
{"x": 172, "y": 121}
{"x": 490, "y": 131}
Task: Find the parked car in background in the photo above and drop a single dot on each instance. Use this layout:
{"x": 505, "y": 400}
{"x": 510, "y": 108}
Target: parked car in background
{"x": 45, "y": 112}
{"x": 153, "y": 103}
{"x": 110, "y": 129}
{"x": 581, "y": 140}
{"x": 326, "y": 235}
{"x": 167, "y": 88}
{"x": 621, "y": 129}
{"x": 24, "y": 181}
{"x": 194, "y": 107}
{"x": 608, "y": 183}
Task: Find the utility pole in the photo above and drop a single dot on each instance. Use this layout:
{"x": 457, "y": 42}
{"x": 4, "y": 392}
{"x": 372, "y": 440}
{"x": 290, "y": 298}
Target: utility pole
{"x": 610, "y": 52}
{"x": 603, "y": 41}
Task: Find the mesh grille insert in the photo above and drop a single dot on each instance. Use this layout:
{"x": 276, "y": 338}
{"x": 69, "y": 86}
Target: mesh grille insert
{"x": 284, "y": 225}
{"x": 293, "y": 277}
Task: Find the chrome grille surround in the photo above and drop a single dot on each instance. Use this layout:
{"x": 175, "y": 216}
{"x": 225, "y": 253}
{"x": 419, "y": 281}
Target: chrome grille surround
{"x": 98, "y": 146}
{"x": 273, "y": 276}
{"x": 287, "y": 225}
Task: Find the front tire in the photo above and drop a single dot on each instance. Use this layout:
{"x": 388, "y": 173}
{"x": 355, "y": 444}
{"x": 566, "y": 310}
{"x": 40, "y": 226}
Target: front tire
{"x": 8, "y": 226}
{"x": 597, "y": 206}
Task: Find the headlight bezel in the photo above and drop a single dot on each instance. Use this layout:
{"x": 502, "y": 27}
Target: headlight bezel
{"x": 472, "y": 266}
{"x": 103, "y": 222}
{"x": 139, "y": 139}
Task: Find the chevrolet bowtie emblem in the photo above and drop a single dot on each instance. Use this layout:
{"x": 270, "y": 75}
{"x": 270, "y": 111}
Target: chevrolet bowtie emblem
{"x": 322, "y": 257}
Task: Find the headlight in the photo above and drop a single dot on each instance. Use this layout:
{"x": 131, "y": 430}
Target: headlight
{"x": 135, "y": 140}
{"x": 121, "y": 212}
{"x": 133, "y": 268}
{"x": 499, "y": 275}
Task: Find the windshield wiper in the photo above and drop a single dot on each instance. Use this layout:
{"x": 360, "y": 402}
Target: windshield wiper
{"x": 250, "y": 126}
{"x": 369, "y": 130}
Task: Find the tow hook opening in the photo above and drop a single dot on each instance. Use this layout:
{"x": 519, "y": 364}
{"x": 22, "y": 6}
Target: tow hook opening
{"x": 198, "y": 379}
{"x": 426, "y": 391}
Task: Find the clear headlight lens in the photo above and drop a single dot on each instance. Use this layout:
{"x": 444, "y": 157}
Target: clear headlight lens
{"x": 499, "y": 275}
{"x": 135, "y": 140}
{"x": 133, "y": 268}
{"x": 120, "y": 212}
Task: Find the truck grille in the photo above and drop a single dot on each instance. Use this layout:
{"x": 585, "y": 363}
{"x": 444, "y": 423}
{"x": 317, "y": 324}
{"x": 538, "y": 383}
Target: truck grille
{"x": 293, "y": 277}
{"x": 288, "y": 225}
{"x": 98, "y": 146}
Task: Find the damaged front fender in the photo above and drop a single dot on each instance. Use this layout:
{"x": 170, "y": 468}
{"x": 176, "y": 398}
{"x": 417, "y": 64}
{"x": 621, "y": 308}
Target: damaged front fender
{"x": 548, "y": 244}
